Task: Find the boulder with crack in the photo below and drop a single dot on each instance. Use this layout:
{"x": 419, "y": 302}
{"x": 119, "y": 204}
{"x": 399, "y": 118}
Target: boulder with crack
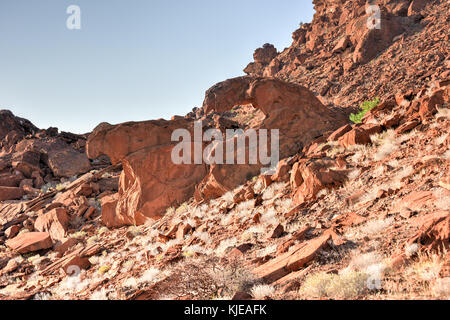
{"x": 151, "y": 182}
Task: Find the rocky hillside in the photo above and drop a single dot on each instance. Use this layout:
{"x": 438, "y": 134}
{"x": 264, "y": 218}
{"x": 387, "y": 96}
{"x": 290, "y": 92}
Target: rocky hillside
{"x": 352, "y": 211}
{"x": 345, "y": 63}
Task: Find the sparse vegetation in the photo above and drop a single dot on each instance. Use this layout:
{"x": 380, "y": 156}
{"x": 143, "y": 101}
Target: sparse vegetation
{"x": 262, "y": 291}
{"x": 368, "y": 221}
{"x": 104, "y": 269}
{"x": 335, "y": 286}
{"x": 364, "y": 108}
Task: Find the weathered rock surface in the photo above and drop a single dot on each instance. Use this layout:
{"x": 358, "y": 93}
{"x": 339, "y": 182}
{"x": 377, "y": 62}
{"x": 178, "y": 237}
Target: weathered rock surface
{"x": 45, "y": 156}
{"x": 30, "y": 242}
{"x": 150, "y": 182}
{"x": 10, "y": 193}
{"x": 316, "y": 176}
{"x": 55, "y": 222}
{"x": 263, "y": 57}
{"x": 294, "y": 260}
{"x": 9, "y": 123}
{"x": 68, "y": 163}
{"x": 292, "y": 109}
{"x": 388, "y": 198}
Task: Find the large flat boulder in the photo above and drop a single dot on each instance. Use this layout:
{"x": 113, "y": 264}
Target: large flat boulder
{"x": 291, "y": 261}
{"x": 30, "y": 242}
{"x": 68, "y": 162}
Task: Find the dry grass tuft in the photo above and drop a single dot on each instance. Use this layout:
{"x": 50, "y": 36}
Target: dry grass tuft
{"x": 345, "y": 286}
{"x": 262, "y": 291}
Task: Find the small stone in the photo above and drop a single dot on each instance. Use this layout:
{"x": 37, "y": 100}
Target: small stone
{"x": 277, "y": 232}
{"x": 12, "y": 231}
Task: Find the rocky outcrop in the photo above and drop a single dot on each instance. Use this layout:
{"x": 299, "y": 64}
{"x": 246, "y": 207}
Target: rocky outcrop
{"x": 291, "y": 108}
{"x": 311, "y": 177}
{"x": 11, "y": 125}
{"x": 345, "y": 62}
{"x": 39, "y": 156}
{"x": 263, "y": 57}
{"x": 150, "y": 182}
{"x": 355, "y": 205}
{"x": 369, "y": 42}
{"x": 55, "y": 222}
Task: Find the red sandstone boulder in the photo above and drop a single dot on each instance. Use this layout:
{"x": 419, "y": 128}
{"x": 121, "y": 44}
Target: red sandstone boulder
{"x": 262, "y": 56}
{"x": 296, "y": 179}
{"x": 10, "y": 193}
{"x": 291, "y": 261}
{"x": 10, "y": 123}
{"x": 222, "y": 179}
{"x": 55, "y": 222}
{"x": 11, "y": 179}
{"x": 12, "y": 231}
{"x": 354, "y": 137}
{"x": 316, "y": 176}
{"x": 68, "y": 163}
{"x": 370, "y": 42}
{"x": 285, "y": 105}
{"x": 282, "y": 173}
{"x": 339, "y": 132}
{"x": 151, "y": 182}
{"x": 30, "y": 242}
{"x": 110, "y": 216}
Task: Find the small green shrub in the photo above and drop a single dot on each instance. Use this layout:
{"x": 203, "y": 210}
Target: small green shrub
{"x": 365, "y": 107}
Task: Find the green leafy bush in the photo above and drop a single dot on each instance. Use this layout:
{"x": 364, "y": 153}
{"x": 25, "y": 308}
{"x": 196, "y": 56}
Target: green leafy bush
{"x": 365, "y": 107}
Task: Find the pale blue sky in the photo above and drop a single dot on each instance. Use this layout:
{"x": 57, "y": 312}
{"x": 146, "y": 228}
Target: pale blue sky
{"x": 133, "y": 59}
